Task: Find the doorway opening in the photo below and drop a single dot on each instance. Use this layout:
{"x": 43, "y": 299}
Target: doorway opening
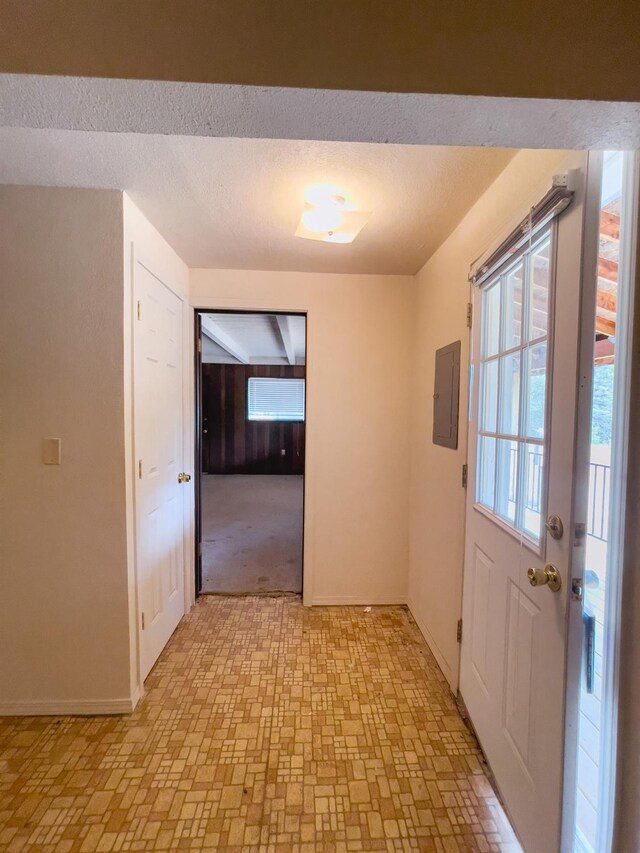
{"x": 250, "y": 452}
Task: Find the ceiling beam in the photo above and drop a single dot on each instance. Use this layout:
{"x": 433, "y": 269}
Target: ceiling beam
{"x": 610, "y": 224}
{"x": 285, "y": 334}
{"x": 606, "y": 299}
{"x": 607, "y": 269}
{"x": 212, "y": 330}
{"x": 605, "y": 326}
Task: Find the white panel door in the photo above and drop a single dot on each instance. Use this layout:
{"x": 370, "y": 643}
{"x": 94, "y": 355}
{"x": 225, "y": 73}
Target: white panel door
{"x": 521, "y": 451}
{"x": 158, "y": 417}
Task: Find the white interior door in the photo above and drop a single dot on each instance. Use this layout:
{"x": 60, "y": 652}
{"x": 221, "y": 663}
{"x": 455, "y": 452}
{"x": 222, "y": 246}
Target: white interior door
{"x": 521, "y": 461}
{"x": 158, "y": 416}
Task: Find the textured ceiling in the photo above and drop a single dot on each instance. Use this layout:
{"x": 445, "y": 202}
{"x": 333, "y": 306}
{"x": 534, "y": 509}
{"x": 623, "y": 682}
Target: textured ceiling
{"x": 235, "y": 203}
{"x": 259, "y": 112}
{"x": 258, "y": 338}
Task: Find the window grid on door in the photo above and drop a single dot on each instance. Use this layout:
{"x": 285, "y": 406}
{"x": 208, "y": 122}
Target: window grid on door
{"x": 512, "y": 402}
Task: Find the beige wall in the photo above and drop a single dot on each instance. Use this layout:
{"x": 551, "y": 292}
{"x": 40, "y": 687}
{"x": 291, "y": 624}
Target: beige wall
{"x": 437, "y": 497}
{"x": 63, "y": 576}
{"x": 536, "y": 50}
{"x": 356, "y": 498}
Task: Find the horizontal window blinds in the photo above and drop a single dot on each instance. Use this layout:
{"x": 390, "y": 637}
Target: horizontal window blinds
{"x": 275, "y": 399}
{"x": 555, "y": 201}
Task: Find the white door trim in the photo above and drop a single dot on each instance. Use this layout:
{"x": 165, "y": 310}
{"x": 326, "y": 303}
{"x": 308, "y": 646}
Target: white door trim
{"x": 582, "y": 445}
{"x": 267, "y": 305}
{"x": 618, "y": 509}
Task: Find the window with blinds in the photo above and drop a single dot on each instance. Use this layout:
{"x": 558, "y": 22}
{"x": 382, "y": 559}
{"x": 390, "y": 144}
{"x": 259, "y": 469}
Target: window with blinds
{"x": 275, "y": 399}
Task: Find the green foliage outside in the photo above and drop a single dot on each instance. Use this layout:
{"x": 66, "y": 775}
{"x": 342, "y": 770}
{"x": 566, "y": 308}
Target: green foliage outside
{"x": 602, "y": 404}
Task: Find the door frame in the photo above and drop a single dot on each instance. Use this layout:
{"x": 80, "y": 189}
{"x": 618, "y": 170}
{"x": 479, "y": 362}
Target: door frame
{"x": 219, "y": 306}
{"x": 197, "y": 463}
{"x": 625, "y": 817}
{"x": 626, "y": 322}
{"x": 582, "y": 453}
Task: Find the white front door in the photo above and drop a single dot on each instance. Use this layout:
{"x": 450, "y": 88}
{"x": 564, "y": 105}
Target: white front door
{"x": 158, "y": 416}
{"x": 521, "y": 452}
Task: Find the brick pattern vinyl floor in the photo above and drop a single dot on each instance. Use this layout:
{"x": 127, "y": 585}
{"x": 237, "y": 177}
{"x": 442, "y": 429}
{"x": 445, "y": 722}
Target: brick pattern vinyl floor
{"x": 265, "y": 726}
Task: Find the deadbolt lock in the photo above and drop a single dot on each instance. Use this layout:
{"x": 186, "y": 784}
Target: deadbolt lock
{"x": 555, "y": 526}
{"x": 549, "y": 576}
{"x": 184, "y": 478}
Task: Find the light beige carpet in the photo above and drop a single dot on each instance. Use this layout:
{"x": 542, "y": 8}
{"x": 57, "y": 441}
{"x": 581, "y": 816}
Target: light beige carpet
{"x": 251, "y": 533}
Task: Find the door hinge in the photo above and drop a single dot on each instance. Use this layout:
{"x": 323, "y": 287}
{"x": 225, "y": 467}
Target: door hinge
{"x": 139, "y": 469}
{"x": 143, "y": 621}
{"x": 199, "y": 344}
{"x": 459, "y": 631}
{"x": 465, "y": 475}
{"x": 469, "y": 314}
{"x": 139, "y": 310}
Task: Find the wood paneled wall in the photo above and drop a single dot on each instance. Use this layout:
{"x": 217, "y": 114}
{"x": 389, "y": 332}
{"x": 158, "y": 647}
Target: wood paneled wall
{"x": 234, "y": 445}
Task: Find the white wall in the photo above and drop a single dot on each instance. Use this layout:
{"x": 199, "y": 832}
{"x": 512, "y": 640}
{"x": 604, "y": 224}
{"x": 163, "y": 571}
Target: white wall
{"x": 63, "y": 607}
{"x": 437, "y": 498}
{"x": 357, "y": 463}
{"x": 143, "y": 243}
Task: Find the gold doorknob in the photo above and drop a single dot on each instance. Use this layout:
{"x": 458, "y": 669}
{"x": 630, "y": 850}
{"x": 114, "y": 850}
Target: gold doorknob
{"x": 549, "y": 576}
{"x": 184, "y": 478}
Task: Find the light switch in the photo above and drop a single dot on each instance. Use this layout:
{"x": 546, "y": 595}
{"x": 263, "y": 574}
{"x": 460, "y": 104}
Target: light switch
{"x": 51, "y": 451}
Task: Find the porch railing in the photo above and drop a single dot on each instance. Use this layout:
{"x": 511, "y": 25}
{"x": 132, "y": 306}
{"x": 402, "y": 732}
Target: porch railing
{"x": 599, "y": 486}
{"x": 598, "y": 517}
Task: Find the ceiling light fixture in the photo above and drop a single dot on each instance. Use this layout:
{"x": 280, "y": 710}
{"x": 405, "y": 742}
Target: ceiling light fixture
{"x": 328, "y": 216}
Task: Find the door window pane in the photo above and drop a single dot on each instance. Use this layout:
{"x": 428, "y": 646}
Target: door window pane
{"x": 533, "y": 470}
{"x": 513, "y": 287}
{"x": 536, "y": 382}
{"x": 489, "y": 396}
{"x": 491, "y": 311}
{"x": 487, "y": 471}
{"x": 507, "y": 491}
{"x": 510, "y": 394}
{"x": 511, "y": 408}
{"x": 540, "y": 271}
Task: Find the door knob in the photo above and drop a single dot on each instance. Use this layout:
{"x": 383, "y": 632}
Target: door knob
{"x": 184, "y": 478}
{"x": 548, "y": 576}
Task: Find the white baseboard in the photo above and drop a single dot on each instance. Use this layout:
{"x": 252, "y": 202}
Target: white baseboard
{"x": 433, "y": 647}
{"x": 137, "y": 696}
{"x": 356, "y": 600}
{"x": 69, "y": 707}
